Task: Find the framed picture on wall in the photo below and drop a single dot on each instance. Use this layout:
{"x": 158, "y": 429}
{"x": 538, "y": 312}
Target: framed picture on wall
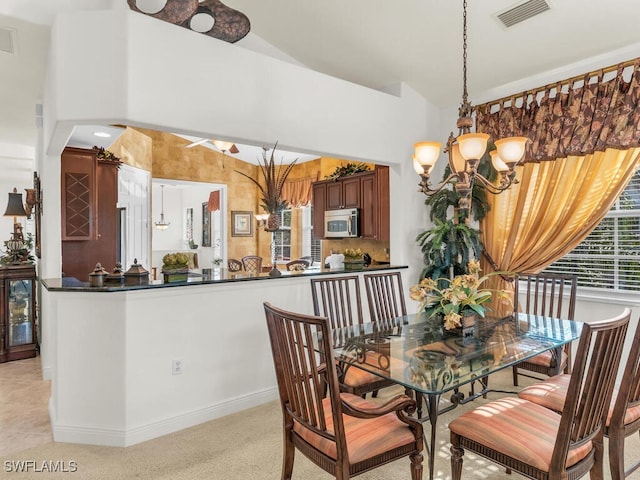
{"x": 241, "y": 224}
{"x": 206, "y": 225}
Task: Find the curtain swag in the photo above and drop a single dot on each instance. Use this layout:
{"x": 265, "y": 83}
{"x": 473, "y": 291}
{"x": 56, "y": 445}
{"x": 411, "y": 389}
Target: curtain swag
{"x": 570, "y": 119}
{"x": 297, "y": 193}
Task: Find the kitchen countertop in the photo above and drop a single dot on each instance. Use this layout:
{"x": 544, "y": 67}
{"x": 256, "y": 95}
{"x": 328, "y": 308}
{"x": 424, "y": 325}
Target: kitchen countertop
{"x": 204, "y": 276}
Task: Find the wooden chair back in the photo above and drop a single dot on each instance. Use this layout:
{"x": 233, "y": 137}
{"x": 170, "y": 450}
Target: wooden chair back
{"x": 314, "y": 423}
{"x": 252, "y": 263}
{"x": 591, "y": 385}
{"x": 627, "y": 400}
{"x": 297, "y": 265}
{"x": 385, "y": 296}
{"x": 338, "y": 299}
{"x": 549, "y": 295}
{"x": 579, "y": 426}
{"x": 234, "y": 265}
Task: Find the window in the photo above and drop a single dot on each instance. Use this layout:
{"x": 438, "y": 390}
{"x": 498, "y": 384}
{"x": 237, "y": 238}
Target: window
{"x": 609, "y": 258}
{"x": 283, "y": 237}
{"x": 310, "y": 246}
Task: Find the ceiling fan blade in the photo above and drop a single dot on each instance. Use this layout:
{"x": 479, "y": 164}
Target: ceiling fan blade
{"x": 234, "y": 149}
{"x": 199, "y": 142}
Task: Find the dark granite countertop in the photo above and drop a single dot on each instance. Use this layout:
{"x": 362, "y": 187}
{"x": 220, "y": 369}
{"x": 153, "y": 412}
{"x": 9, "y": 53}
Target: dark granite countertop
{"x": 205, "y": 276}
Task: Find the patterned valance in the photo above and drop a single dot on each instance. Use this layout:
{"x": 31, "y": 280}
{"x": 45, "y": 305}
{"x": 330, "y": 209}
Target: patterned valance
{"x": 297, "y": 193}
{"x": 574, "y": 117}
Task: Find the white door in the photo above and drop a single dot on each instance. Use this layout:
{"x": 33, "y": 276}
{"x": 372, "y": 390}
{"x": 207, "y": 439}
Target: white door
{"x": 134, "y": 205}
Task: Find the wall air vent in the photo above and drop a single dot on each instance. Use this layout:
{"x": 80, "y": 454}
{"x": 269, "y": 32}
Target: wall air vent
{"x": 7, "y": 40}
{"x": 523, "y": 12}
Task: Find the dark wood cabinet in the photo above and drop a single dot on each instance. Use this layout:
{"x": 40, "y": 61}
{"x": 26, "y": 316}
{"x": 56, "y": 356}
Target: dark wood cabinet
{"x": 319, "y": 205}
{"x": 89, "y": 188}
{"x": 368, "y": 191}
{"x": 18, "y": 338}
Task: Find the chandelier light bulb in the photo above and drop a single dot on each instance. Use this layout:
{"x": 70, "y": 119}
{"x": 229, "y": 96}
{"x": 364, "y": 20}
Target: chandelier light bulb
{"x": 511, "y": 150}
{"x": 426, "y": 153}
{"x": 417, "y": 167}
{"x": 473, "y": 145}
{"x": 497, "y": 162}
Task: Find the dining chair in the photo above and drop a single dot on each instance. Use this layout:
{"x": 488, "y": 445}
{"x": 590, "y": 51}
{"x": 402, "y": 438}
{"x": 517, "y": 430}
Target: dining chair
{"x": 623, "y": 418}
{"x": 551, "y": 295}
{"x": 341, "y": 433}
{"x": 339, "y": 299}
{"x": 252, "y": 263}
{"x": 537, "y": 442}
{"x": 299, "y": 264}
{"x": 385, "y": 296}
{"x": 234, "y": 265}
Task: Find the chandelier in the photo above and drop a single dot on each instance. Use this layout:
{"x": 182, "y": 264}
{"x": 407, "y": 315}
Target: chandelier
{"x": 466, "y": 150}
{"x": 161, "y": 224}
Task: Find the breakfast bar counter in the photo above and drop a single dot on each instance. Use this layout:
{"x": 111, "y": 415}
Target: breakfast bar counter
{"x": 132, "y": 363}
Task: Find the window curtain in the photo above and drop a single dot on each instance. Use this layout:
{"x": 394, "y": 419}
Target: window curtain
{"x": 297, "y": 193}
{"x": 583, "y": 150}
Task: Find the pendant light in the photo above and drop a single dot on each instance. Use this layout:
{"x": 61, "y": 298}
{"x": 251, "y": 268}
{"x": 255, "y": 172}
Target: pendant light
{"x": 161, "y": 224}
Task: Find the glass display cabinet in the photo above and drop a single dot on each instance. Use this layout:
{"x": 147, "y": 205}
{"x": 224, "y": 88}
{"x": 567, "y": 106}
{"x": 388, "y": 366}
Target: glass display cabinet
{"x": 18, "y": 337}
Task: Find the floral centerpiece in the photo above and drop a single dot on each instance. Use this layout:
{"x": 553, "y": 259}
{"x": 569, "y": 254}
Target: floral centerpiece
{"x": 353, "y": 259}
{"x": 460, "y": 297}
{"x": 175, "y": 267}
{"x": 353, "y": 254}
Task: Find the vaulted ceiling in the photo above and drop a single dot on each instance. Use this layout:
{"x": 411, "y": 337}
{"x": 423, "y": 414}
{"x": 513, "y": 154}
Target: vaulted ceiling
{"x": 374, "y": 43}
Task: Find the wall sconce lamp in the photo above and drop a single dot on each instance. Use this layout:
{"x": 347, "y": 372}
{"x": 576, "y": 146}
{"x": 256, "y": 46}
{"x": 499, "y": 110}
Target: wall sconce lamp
{"x": 262, "y": 218}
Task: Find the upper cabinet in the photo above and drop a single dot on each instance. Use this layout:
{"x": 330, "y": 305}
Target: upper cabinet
{"x": 89, "y": 189}
{"x": 367, "y": 191}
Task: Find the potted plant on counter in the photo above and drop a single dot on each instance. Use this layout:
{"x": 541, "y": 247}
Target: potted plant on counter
{"x": 175, "y": 267}
{"x": 353, "y": 259}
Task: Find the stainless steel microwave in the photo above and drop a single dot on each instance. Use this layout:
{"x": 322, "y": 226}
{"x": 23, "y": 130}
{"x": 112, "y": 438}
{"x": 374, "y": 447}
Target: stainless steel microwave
{"x": 341, "y": 223}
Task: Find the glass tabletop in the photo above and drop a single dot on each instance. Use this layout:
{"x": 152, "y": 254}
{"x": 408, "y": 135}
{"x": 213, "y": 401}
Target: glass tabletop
{"x": 416, "y": 352}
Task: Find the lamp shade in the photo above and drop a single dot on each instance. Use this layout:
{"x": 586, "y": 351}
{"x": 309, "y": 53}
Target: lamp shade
{"x": 223, "y": 146}
{"x": 459, "y": 164}
{"x": 497, "y": 162}
{"x": 426, "y": 153}
{"x": 419, "y": 169}
{"x": 511, "y": 149}
{"x": 15, "y": 208}
{"x": 473, "y": 145}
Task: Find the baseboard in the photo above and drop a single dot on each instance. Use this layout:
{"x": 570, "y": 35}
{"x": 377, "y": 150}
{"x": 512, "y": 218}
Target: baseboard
{"x": 126, "y": 438}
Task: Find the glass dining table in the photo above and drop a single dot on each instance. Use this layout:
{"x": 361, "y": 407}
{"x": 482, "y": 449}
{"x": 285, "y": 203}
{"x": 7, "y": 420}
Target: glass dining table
{"x": 420, "y": 355}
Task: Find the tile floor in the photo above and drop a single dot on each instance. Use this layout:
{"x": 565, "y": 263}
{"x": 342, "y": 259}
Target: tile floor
{"x": 24, "y": 399}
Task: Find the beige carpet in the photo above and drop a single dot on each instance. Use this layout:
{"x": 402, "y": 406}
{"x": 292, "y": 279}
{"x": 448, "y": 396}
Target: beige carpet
{"x": 246, "y": 445}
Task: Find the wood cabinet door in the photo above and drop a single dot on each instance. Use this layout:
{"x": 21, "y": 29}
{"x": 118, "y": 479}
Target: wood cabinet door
{"x": 319, "y": 203}
{"x": 369, "y": 207}
{"x": 78, "y": 176}
{"x": 334, "y": 195}
{"x": 351, "y": 192}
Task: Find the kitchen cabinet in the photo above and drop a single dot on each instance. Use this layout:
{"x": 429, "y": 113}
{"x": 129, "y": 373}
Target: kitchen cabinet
{"x": 367, "y": 191}
{"x": 18, "y": 337}
{"x": 89, "y": 189}
{"x": 344, "y": 193}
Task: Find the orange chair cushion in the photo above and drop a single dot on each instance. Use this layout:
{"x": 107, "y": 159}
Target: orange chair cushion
{"x": 519, "y": 429}
{"x": 365, "y": 438}
{"x": 545, "y": 359}
{"x": 552, "y": 392}
{"x": 356, "y": 377}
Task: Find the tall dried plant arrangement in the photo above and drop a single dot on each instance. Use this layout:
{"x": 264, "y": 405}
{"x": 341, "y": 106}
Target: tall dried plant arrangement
{"x": 273, "y": 177}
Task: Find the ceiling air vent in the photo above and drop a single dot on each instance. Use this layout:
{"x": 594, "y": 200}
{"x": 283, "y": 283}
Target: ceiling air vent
{"x": 7, "y": 40}
{"x": 523, "y": 12}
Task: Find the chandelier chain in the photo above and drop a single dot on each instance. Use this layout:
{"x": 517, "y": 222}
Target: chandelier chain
{"x": 465, "y": 96}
